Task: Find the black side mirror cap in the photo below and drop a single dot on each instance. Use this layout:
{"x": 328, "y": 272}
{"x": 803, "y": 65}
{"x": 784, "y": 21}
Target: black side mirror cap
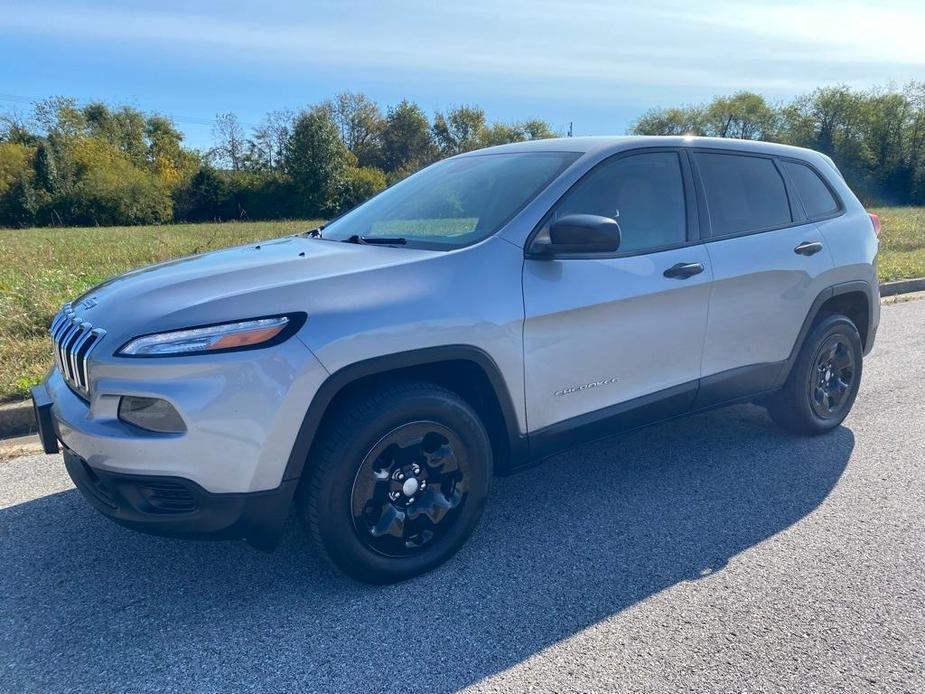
{"x": 580, "y": 234}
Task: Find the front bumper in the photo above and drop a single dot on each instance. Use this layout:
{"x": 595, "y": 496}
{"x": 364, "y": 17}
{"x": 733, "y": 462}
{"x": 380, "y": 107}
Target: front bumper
{"x": 224, "y": 477}
{"x": 176, "y": 507}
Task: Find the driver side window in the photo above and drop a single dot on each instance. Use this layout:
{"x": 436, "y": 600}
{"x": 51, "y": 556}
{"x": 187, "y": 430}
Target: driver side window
{"x": 643, "y": 192}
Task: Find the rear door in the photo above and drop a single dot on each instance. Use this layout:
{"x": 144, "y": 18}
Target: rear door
{"x": 768, "y": 264}
{"x": 606, "y": 330}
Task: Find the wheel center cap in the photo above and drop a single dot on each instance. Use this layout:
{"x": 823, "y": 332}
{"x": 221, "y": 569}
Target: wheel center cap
{"x": 410, "y": 487}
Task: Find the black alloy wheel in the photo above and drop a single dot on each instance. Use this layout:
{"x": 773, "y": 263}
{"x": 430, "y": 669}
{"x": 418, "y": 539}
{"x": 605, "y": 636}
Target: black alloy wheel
{"x": 832, "y": 377}
{"x": 409, "y": 489}
{"x": 824, "y": 379}
{"x": 396, "y": 481}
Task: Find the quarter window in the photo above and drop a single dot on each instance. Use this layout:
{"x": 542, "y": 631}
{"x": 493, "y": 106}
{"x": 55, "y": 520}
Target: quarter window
{"x": 818, "y": 200}
{"x": 643, "y": 192}
{"x": 743, "y": 193}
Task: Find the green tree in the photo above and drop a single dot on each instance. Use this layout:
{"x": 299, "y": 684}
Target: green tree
{"x": 267, "y": 146}
{"x": 316, "y": 161}
{"x": 230, "y": 142}
{"x": 124, "y": 129}
{"x": 678, "y": 120}
{"x": 360, "y": 184}
{"x": 15, "y": 160}
{"x": 19, "y": 203}
{"x": 744, "y": 115}
{"x": 537, "y": 129}
{"x": 360, "y": 123}
{"x": 460, "y": 130}
{"x": 46, "y": 170}
{"x": 15, "y": 130}
{"x": 406, "y": 139}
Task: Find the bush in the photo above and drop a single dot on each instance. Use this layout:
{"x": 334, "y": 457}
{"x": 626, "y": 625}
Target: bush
{"x": 360, "y": 184}
{"x": 109, "y": 189}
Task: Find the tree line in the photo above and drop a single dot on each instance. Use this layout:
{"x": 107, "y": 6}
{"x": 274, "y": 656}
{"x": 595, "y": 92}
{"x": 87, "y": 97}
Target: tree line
{"x": 875, "y": 136}
{"x": 69, "y": 164}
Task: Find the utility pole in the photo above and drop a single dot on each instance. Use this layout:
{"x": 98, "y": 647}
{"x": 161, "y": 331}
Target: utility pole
{"x": 570, "y": 128}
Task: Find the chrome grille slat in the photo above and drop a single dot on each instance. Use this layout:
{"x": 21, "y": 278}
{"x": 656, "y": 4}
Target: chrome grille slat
{"x": 74, "y": 339}
{"x": 79, "y": 342}
{"x": 98, "y": 333}
{"x": 62, "y": 341}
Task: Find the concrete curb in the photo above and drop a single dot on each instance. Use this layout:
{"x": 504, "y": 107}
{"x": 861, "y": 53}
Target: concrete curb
{"x": 902, "y": 286}
{"x": 17, "y": 418}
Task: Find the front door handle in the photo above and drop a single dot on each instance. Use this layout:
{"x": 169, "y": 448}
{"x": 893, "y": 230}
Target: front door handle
{"x": 808, "y": 248}
{"x": 682, "y": 271}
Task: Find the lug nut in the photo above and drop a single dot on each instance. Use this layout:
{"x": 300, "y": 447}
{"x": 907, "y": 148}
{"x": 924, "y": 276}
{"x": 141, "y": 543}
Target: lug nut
{"x": 393, "y": 496}
{"x": 416, "y": 469}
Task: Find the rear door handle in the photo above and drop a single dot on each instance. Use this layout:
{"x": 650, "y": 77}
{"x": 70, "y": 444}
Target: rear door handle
{"x": 682, "y": 271}
{"x": 808, "y": 248}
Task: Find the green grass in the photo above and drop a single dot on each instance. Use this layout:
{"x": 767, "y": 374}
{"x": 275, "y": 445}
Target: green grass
{"x": 40, "y": 269}
{"x": 902, "y": 243}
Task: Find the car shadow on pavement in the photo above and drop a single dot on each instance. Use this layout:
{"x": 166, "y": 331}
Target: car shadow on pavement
{"x": 87, "y": 605}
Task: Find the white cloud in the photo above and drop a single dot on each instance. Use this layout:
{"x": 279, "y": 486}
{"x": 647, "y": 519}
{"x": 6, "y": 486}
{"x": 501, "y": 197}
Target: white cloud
{"x": 717, "y": 45}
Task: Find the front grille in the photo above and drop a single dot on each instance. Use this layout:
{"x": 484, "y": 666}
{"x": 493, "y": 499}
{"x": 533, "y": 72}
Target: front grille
{"x": 74, "y": 339}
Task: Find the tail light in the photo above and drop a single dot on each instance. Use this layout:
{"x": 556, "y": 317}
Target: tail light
{"x": 875, "y": 219}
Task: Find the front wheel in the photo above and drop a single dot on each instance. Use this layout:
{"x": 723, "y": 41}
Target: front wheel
{"x": 824, "y": 380}
{"x": 397, "y": 481}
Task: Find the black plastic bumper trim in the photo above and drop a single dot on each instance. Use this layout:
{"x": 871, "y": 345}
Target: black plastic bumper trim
{"x": 41, "y": 405}
{"x": 257, "y": 517}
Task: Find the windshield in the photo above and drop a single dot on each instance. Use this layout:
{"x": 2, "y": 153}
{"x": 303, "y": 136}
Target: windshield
{"x": 453, "y": 203}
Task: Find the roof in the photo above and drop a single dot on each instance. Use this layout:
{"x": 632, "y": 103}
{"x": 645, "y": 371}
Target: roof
{"x": 614, "y": 143}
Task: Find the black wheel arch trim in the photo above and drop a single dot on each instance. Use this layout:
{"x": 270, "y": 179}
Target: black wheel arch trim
{"x": 825, "y": 295}
{"x": 384, "y": 364}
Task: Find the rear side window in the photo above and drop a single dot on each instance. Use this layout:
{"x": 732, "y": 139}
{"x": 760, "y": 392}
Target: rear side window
{"x": 643, "y": 192}
{"x": 818, "y": 200}
{"x": 743, "y": 193}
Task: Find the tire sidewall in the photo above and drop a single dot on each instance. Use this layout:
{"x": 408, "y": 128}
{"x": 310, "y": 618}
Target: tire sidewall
{"x": 335, "y": 520}
{"x": 828, "y": 326}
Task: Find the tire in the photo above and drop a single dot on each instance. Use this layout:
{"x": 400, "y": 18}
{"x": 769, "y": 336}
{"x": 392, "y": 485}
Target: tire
{"x": 396, "y": 482}
{"x": 824, "y": 381}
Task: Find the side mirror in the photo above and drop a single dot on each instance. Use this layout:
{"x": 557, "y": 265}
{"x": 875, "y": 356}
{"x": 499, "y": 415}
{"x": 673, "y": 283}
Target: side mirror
{"x": 582, "y": 233}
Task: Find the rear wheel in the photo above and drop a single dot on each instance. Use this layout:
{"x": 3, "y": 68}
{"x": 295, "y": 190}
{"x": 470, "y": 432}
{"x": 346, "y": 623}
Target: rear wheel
{"x": 397, "y": 481}
{"x": 824, "y": 381}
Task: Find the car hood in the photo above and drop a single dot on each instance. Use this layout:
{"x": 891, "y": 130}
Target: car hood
{"x": 260, "y": 279}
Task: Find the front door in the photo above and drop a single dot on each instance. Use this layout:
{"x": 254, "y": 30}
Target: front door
{"x": 603, "y": 334}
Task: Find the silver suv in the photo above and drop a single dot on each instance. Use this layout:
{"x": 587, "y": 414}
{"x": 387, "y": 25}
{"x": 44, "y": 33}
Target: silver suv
{"x": 486, "y": 312}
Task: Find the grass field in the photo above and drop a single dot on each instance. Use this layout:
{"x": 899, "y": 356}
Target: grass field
{"x": 902, "y": 243}
{"x": 40, "y": 269}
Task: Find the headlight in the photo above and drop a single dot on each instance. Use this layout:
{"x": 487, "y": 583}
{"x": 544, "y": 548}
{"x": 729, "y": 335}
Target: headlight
{"x": 214, "y": 338}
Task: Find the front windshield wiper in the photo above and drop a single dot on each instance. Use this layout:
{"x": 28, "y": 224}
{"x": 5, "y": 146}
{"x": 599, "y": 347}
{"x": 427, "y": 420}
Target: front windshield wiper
{"x": 312, "y": 233}
{"x": 382, "y": 240}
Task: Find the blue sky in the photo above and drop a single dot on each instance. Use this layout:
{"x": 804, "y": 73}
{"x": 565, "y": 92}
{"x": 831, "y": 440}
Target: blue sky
{"x": 598, "y": 64}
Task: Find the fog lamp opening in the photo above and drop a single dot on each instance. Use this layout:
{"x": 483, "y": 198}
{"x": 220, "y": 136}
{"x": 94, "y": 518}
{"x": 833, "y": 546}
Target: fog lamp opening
{"x": 151, "y": 414}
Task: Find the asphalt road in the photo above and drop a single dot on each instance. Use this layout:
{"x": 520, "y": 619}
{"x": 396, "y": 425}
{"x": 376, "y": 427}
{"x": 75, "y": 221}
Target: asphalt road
{"x": 711, "y": 554}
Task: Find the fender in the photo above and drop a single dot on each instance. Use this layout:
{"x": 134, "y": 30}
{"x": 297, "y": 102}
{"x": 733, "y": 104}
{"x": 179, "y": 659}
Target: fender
{"x": 825, "y": 295}
{"x": 392, "y": 362}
